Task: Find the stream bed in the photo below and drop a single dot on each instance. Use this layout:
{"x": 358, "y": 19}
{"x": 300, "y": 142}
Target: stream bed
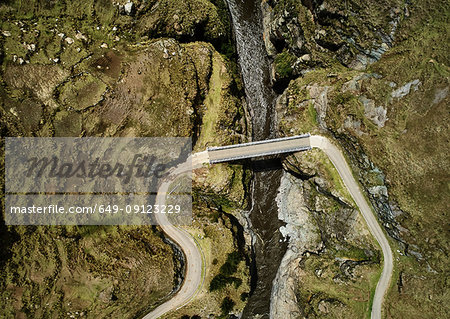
{"x": 269, "y": 246}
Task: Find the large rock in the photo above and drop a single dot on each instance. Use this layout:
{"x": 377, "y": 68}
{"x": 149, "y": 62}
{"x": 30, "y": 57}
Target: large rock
{"x": 302, "y": 232}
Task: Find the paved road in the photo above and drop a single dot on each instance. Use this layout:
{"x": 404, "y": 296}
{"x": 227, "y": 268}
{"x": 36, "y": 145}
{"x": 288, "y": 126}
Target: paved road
{"x": 344, "y": 171}
{"x": 193, "y": 276}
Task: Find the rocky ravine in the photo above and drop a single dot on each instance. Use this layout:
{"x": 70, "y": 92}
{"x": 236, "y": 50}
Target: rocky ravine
{"x": 303, "y": 235}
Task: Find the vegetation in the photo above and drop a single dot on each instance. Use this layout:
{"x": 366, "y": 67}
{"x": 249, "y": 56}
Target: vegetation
{"x": 89, "y": 68}
{"x": 401, "y": 153}
{"x": 220, "y": 281}
{"x": 84, "y": 269}
{"x": 227, "y": 305}
{"x": 283, "y": 64}
{"x": 225, "y": 274}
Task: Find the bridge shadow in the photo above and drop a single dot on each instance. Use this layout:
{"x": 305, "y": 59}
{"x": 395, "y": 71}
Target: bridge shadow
{"x": 262, "y": 164}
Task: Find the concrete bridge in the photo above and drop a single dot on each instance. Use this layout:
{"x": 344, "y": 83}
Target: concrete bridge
{"x": 258, "y": 148}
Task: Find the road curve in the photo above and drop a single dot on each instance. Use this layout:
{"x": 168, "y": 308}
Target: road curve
{"x": 338, "y": 160}
{"x": 193, "y": 276}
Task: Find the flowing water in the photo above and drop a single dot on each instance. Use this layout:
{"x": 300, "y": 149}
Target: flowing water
{"x": 254, "y": 64}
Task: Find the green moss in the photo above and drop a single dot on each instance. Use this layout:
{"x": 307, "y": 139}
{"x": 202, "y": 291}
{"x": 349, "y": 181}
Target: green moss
{"x": 81, "y": 92}
{"x": 72, "y": 275}
{"x": 354, "y": 253}
{"x": 186, "y": 20}
{"x": 67, "y": 123}
{"x": 283, "y": 64}
{"x": 312, "y": 113}
{"x": 222, "y": 111}
{"x": 349, "y": 300}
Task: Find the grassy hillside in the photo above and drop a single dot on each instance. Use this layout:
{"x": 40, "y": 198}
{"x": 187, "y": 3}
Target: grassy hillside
{"x": 95, "y": 68}
{"x": 390, "y": 114}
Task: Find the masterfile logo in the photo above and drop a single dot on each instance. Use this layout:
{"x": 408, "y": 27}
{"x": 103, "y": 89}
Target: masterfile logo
{"x": 91, "y": 164}
{"x": 54, "y": 168}
{"x": 95, "y": 181}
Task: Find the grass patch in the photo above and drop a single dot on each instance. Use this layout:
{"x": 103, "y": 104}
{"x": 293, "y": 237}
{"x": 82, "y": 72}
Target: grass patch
{"x": 283, "y": 64}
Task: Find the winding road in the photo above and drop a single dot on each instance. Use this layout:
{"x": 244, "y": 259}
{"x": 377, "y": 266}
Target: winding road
{"x": 193, "y": 256}
{"x": 194, "y": 265}
{"x": 338, "y": 160}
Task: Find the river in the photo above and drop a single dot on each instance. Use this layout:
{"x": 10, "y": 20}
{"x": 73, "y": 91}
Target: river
{"x": 255, "y": 68}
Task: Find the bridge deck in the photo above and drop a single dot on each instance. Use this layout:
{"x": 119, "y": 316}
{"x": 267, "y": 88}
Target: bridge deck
{"x": 259, "y": 148}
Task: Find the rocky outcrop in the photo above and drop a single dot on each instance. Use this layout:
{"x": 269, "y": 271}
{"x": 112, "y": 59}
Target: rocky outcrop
{"x": 377, "y": 114}
{"x": 405, "y": 89}
{"x": 319, "y": 33}
{"x": 320, "y": 222}
{"x": 303, "y": 235}
{"x": 295, "y": 116}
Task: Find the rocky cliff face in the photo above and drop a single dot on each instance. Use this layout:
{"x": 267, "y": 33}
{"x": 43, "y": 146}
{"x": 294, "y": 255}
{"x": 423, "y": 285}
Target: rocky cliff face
{"x": 372, "y": 75}
{"x": 303, "y": 236}
{"x": 302, "y": 35}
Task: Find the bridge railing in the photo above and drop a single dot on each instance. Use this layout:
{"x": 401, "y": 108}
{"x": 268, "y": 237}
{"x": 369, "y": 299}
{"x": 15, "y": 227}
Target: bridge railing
{"x": 279, "y": 139}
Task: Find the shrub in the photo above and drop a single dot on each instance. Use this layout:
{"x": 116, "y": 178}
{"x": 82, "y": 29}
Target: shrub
{"x": 220, "y": 281}
{"x": 230, "y": 266}
{"x": 227, "y": 305}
